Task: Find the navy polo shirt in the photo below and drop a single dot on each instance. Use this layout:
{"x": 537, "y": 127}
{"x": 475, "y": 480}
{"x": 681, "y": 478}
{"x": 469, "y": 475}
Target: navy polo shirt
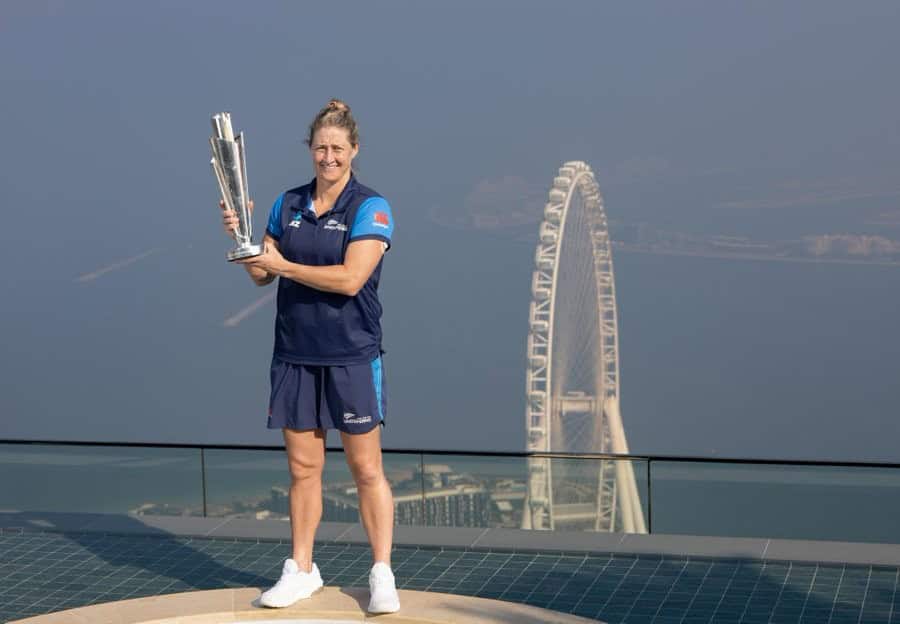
{"x": 317, "y": 327}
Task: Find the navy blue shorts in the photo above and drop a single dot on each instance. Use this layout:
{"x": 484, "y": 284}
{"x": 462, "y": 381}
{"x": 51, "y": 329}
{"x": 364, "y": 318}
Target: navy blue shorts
{"x": 349, "y": 398}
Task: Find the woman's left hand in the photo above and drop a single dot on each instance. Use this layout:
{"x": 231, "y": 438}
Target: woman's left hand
{"x": 270, "y": 260}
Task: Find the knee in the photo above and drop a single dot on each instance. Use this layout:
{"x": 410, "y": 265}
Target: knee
{"x": 367, "y": 473}
{"x": 305, "y": 468}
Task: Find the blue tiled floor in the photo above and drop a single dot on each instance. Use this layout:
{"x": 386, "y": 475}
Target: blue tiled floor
{"x": 45, "y": 572}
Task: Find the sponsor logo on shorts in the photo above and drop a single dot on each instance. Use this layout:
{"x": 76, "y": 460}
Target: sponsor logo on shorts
{"x": 381, "y": 220}
{"x": 352, "y": 419}
{"x": 334, "y": 224}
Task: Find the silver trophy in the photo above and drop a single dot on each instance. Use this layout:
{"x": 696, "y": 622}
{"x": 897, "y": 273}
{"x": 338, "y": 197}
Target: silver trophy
{"x": 230, "y": 166}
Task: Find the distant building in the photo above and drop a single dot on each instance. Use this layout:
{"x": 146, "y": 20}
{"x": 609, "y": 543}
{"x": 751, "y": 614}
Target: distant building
{"x": 436, "y": 496}
{"x": 278, "y": 501}
{"x": 851, "y": 245}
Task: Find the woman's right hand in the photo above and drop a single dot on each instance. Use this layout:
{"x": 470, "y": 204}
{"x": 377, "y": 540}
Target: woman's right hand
{"x": 230, "y": 219}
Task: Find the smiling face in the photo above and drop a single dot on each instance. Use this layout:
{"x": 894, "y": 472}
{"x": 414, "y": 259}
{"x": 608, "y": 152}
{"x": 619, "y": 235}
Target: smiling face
{"x": 332, "y": 154}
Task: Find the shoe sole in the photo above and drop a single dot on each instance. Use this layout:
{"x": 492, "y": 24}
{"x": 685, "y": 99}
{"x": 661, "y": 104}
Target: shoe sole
{"x": 392, "y": 609}
{"x": 282, "y": 606}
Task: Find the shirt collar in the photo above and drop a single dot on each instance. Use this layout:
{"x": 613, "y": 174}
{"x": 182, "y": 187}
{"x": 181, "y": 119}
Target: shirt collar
{"x": 343, "y": 200}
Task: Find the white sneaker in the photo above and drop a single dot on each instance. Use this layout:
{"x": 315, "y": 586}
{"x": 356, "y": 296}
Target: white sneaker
{"x": 293, "y": 585}
{"x": 383, "y": 596}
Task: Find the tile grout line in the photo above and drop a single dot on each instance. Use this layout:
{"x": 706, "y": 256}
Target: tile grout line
{"x": 518, "y": 576}
{"x": 536, "y": 585}
{"x": 862, "y": 604}
{"x": 787, "y": 575}
{"x": 480, "y": 535}
{"x": 619, "y": 584}
{"x": 693, "y": 599}
{"x": 836, "y": 592}
{"x": 671, "y": 587}
{"x": 217, "y": 527}
{"x": 593, "y": 584}
{"x": 894, "y": 594}
{"x": 725, "y": 591}
{"x": 470, "y": 572}
{"x": 812, "y": 584}
{"x": 425, "y": 565}
{"x": 644, "y": 589}
{"x": 572, "y": 575}
{"x": 762, "y": 573}
{"x": 344, "y": 532}
{"x": 562, "y": 585}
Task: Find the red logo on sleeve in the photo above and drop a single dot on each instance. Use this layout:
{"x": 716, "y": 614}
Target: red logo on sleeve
{"x": 381, "y": 218}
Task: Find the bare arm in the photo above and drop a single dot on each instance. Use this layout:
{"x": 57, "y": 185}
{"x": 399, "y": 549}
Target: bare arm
{"x": 347, "y": 279}
{"x": 259, "y": 275}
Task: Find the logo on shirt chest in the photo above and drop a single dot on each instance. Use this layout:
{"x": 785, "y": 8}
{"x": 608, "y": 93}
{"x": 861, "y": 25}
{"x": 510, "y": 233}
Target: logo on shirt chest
{"x": 334, "y": 224}
{"x": 295, "y": 222}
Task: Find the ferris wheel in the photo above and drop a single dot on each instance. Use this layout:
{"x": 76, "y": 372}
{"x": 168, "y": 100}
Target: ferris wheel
{"x": 572, "y": 379}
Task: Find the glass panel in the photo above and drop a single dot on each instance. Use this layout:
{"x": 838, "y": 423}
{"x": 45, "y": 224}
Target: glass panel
{"x": 341, "y": 503}
{"x": 764, "y": 500}
{"x": 255, "y": 484}
{"x": 247, "y": 484}
{"x": 469, "y": 491}
{"x": 145, "y": 481}
{"x": 581, "y": 494}
{"x": 597, "y": 495}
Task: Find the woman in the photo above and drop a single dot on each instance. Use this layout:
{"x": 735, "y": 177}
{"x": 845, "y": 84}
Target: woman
{"x": 325, "y": 241}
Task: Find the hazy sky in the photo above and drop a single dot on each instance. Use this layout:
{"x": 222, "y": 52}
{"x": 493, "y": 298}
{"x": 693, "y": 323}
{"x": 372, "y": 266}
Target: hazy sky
{"x": 772, "y": 120}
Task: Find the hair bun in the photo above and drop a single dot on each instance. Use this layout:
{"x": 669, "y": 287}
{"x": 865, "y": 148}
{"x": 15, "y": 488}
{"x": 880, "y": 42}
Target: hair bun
{"x": 335, "y": 114}
{"x": 337, "y": 105}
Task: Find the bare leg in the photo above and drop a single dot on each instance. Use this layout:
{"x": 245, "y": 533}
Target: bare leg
{"x": 306, "y": 457}
{"x": 376, "y": 505}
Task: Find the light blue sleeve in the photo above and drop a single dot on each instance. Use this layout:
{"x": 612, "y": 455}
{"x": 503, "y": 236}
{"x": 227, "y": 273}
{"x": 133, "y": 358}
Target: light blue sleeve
{"x": 274, "y": 225}
{"x": 373, "y": 220}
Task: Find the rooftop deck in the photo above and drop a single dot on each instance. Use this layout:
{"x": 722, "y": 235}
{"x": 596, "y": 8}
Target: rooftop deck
{"x": 162, "y": 519}
{"x": 55, "y": 561}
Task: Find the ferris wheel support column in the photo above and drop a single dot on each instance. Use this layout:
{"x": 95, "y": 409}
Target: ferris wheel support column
{"x": 536, "y": 510}
{"x": 634, "y": 515}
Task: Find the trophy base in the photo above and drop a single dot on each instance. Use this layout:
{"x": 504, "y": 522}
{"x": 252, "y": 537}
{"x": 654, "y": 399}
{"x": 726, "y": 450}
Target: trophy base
{"x": 247, "y": 251}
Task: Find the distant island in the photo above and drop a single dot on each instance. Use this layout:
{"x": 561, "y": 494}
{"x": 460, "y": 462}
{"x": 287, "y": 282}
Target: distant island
{"x": 491, "y": 211}
{"x": 820, "y": 248}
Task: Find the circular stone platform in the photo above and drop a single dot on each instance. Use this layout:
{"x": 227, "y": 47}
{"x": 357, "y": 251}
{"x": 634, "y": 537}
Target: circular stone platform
{"x": 333, "y": 605}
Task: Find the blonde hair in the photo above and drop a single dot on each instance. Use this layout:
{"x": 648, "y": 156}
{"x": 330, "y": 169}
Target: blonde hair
{"x": 335, "y": 114}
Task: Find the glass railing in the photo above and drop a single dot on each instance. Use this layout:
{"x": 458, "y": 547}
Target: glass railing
{"x": 790, "y": 500}
{"x": 562, "y": 492}
{"x": 102, "y": 479}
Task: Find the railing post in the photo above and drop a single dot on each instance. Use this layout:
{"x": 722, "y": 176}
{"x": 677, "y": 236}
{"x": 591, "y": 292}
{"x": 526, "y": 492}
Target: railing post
{"x": 422, "y": 486}
{"x": 203, "y": 477}
{"x": 649, "y": 499}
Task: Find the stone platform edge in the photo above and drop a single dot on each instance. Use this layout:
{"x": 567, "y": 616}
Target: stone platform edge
{"x": 224, "y": 606}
